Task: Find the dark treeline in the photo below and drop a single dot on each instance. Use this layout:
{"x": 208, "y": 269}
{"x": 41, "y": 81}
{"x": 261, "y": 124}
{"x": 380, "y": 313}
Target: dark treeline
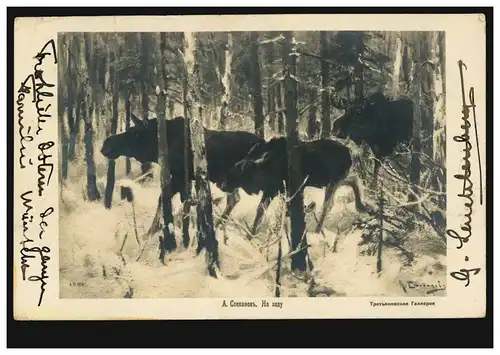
{"x": 293, "y": 84}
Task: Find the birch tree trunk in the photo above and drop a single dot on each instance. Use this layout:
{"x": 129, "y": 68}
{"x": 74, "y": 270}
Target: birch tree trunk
{"x": 295, "y": 176}
{"x": 439, "y": 135}
{"x": 226, "y": 82}
{"x": 167, "y": 241}
{"x": 416, "y": 87}
{"x": 397, "y": 66}
{"x": 325, "y": 78}
{"x": 427, "y": 93}
{"x": 206, "y": 233}
{"x": 406, "y": 64}
{"x": 439, "y": 154}
{"x": 256, "y": 85}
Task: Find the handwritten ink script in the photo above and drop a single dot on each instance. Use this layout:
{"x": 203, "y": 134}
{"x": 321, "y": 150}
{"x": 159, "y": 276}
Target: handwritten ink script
{"x": 36, "y": 94}
{"x": 466, "y": 194}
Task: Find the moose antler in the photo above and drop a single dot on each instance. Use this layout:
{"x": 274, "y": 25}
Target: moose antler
{"x": 137, "y": 121}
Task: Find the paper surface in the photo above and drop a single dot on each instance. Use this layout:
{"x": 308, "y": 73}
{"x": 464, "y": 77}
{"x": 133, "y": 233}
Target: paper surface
{"x": 67, "y": 262}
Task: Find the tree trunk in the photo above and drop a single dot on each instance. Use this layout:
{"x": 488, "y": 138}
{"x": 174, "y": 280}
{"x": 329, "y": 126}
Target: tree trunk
{"x": 416, "y": 85}
{"x": 256, "y": 85}
{"x": 144, "y": 85}
{"x": 171, "y": 108}
{"x": 113, "y": 87}
{"x": 226, "y": 82}
{"x": 427, "y": 93}
{"x": 325, "y": 78}
{"x": 311, "y": 122}
{"x": 167, "y": 242}
{"x": 128, "y": 166}
{"x": 63, "y": 71}
{"x": 87, "y": 108}
{"x": 92, "y": 191}
{"x": 301, "y": 85}
{"x": 144, "y": 75}
{"x": 381, "y": 227}
{"x": 406, "y": 65}
{"x": 397, "y": 66}
{"x": 295, "y": 176}
{"x": 73, "y": 50}
{"x": 358, "y": 70}
{"x": 94, "y": 81}
{"x": 279, "y": 104}
{"x": 439, "y": 154}
{"x": 206, "y": 233}
{"x": 271, "y": 103}
{"x": 76, "y": 123}
{"x": 439, "y": 135}
{"x": 186, "y": 194}
{"x": 64, "y": 148}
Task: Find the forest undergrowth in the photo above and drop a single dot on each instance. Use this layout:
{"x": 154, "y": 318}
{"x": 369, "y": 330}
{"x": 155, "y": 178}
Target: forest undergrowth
{"x": 108, "y": 254}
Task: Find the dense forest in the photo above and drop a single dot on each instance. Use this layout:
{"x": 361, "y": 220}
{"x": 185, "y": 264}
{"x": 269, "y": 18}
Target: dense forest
{"x": 303, "y": 86}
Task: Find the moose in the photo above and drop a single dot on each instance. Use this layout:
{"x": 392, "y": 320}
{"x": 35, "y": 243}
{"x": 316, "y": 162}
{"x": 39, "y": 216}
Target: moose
{"x": 325, "y": 163}
{"x": 224, "y": 149}
{"x": 379, "y": 122}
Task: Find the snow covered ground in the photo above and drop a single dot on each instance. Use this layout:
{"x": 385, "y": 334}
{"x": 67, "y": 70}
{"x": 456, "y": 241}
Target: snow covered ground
{"x": 91, "y": 238}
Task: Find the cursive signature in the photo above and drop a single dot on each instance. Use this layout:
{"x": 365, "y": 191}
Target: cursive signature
{"x": 43, "y": 224}
{"x": 31, "y": 253}
{"x": 464, "y": 275}
{"x": 44, "y": 166}
{"x": 36, "y": 92}
{"x": 465, "y": 176}
{"x": 27, "y": 219}
{"x": 24, "y": 132}
{"x": 48, "y": 49}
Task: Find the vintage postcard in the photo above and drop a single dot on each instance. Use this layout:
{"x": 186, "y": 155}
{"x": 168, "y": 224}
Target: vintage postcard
{"x": 250, "y": 166}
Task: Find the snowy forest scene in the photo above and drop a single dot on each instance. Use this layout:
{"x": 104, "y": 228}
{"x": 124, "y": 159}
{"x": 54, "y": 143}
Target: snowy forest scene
{"x": 252, "y": 164}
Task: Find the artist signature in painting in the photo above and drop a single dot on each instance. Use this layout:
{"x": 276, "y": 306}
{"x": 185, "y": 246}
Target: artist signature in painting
{"x": 428, "y": 288}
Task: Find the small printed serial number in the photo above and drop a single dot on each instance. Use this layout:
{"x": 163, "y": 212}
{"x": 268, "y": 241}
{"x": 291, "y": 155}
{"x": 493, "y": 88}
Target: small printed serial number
{"x": 77, "y": 284}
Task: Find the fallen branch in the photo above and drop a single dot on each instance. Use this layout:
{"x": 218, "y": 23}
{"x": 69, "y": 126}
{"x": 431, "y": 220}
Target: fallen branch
{"x": 234, "y": 222}
{"x": 394, "y": 175}
{"x": 288, "y": 255}
{"x": 143, "y": 247}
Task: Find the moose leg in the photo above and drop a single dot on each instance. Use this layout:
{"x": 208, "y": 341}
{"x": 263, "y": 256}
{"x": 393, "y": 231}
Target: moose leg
{"x": 232, "y": 200}
{"x": 327, "y": 204}
{"x": 263, "y": 205}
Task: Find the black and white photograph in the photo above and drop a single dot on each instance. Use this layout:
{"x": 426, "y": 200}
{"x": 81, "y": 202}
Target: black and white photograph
{"x": 252, "y": 164}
